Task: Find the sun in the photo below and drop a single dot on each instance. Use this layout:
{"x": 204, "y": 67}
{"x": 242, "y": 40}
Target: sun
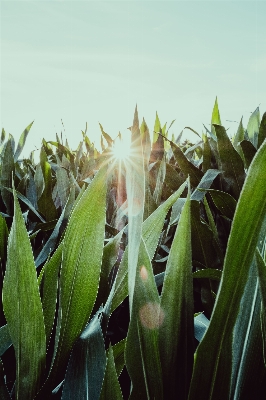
{"x": 121, "y": 149}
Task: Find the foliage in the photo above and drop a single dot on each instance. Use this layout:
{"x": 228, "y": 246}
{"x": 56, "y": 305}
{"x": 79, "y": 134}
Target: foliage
{"x": 151, "y": 267}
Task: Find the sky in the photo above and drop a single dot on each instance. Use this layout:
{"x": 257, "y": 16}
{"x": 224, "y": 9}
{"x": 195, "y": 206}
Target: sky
{"x": 93, "y": 61}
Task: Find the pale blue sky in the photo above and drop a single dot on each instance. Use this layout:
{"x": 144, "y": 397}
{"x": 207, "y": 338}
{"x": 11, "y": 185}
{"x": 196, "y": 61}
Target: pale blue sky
{"x": 94, "y": 60}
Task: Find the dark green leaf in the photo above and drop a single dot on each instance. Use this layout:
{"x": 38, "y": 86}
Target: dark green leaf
{"x": 111, "y": 388}
{"x": 249, "y": 152}
{"x": 232, "y": 164}
{"x": 209, "y": 273}
{"x": 86, "y": 366}
{"x": 215, "y": 349}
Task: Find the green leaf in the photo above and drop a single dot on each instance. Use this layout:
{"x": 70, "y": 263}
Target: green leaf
{"x": 5, "y": 340}
{"x": 107, "y": 137}
{"x": 135, "y": 187}
{"x": 111, "y": 389}
{"x": 157, "y": 194}
{"x": 202, "y": 239}
{"x": 205, "y": 183}
{"x": 215, "y": 350}
{"x": 201, "y": 324}
{"x": 22, "y": 141}
{"x": 208, "y": 273}
{"x": 151, "y": 231}
{"x": 143, "y": 364}
{"x": 48, "y": 281}
{"x": 25, "y": 324}
{"x": 249, "y": 152}
{"x": 176, "y": 332}
{"x": 186, "y": 166}
{"x": 156, "y": 129}
{"x": 63, "y": 185}
{"x": 216, "y": 119}
{"x": 262, "y": 130}
{"x": 248, "y": 369}
{"x": 45, "y": 202}
{"x": 232, "y": 164}
{"x": 240, "y": 135}
{"x": 28, "y": 203}
{"x": 80, "y": 270}
{"x": 253, "y": 127}
{"x": 3, "y": 238}
{"x": 7, "y": 167}
{"x": 225, "y": 203}
{"x": 207, "y": 154}
{"x": 119, "y": 358}
{"x": 86, "y": 366}
{"x": 49, "y": 246}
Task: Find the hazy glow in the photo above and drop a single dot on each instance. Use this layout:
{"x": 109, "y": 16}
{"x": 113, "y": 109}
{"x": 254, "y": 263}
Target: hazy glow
{"x": 151, "y": 315}
{"x": 121, "y": 149}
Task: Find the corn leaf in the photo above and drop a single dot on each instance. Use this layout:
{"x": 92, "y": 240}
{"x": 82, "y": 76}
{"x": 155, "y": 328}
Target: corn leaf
{"x": 176, "y": 332}
{"x": 45, "y": 202}
{"x": 225, "y": 203}
{"x": 80, "y": 270}
{"x": 205, "y": 183}
{"x": 208, "y": 273}
{"x": 135, "y": 187}
{"x": 143, "y": 363}
{"x": 111, "y": 388}
{"x": 48, "y": 281}
{"x": 118, "y": 354}
{"x": 25, "y": 324}
{"x": 201, "y": 324}
{"x": 86, "y": 366}
{"x": 7, "y": 167}
{"x": 151, "y": 231}
{"x": 5, "y": 340}
{"x": 215, "y": 350}
{"x": 248, "y": 369}
{"x": 22, "y": 141}
{"x": 232, "y": 164}
{"x": 262, "y": 130}
{"x": 248, "y": 150}
{"x": 216, "y": 119}
{"x": 186, "y": 166}
{"x": 253, "y": 127}
{"x": 3, "y": 238}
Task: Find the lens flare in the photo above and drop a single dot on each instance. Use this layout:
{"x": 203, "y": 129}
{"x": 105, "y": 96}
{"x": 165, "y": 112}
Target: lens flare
{"x": 151, "y": 315}
{"x": 121, "y": 149}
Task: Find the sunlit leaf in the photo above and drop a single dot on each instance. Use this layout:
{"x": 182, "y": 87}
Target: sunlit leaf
{"x": 176, "y": 330}
{"x": 25, "y": 324}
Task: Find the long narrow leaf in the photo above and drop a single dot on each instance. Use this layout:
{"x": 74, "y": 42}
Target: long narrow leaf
{"x": 176, "y": 337}
{"x": 215, "y": 350}
{"x": 25, "y": 324}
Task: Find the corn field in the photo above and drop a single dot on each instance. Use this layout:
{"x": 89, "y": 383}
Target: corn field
{"x": 135, "y": 275}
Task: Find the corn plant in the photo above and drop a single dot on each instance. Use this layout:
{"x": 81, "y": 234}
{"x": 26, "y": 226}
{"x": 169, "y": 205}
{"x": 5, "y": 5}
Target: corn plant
{"x": 172, "y": 240}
